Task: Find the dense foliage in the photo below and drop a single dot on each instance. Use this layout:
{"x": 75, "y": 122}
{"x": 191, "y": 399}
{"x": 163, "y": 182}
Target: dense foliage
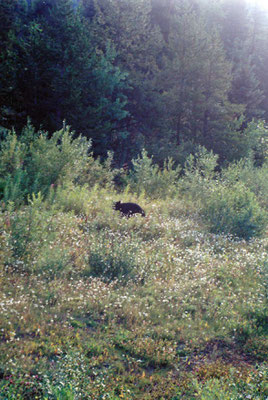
{"x": 97, "y": 306}
{"x": 160, "y": 74}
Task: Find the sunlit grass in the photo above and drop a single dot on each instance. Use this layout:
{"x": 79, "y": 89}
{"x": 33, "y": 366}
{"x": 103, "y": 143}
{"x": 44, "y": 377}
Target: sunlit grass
{"x": 97, "y": 306}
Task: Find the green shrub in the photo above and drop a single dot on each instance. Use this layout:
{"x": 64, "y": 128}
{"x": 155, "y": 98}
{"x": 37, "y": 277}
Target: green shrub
{"x": 13, "y": 178}
{"x": 15, "y": 187}
{"x": 254, "y": 178}
{"x": 29, "y": 229}
{"x": 150, "y": 179}
{"x": 199, "y": 175}
{"x": 33, "y": 162}
{"x": 70, "y": 198}
{"x": 256, "y": 135}
{"x": 99, "y": 173}
{"x": 234, "y": 210}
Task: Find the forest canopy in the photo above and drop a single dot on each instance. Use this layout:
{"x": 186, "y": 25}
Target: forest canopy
{"x": 165, "y": 75}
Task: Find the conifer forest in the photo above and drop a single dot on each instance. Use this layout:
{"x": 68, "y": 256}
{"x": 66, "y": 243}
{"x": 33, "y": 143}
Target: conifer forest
{"x": 133, "y": 200}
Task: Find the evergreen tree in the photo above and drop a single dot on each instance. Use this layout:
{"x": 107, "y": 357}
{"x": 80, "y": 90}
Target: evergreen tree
{"x": 12, "y": 17}
{"x": 238, "y": 38}
{"x": 139, "y": 46}
{"x": 60, "y": 75}
{"x": 259, "y": 53}
{"x": 162, "y": 15}
{"x": 196, "y": 81}
{"x": 164, "y": 74}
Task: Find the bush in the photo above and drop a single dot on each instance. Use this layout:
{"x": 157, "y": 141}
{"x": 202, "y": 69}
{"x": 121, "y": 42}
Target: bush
{"x": 234, "y": 210}
{"x": 150, "y": 179}
{"x": 256, "y": 135}
{"x": 27, "y": 230}
{"x": 254, "y": 178}
{"x": 99, "y": 173}
{"x": 199, "y": 175}
{"x": 70, "y": 198}
{"x": 33, "y": 162}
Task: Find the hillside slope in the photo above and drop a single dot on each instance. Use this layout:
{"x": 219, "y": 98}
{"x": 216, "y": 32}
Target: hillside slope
{"x": 104, "y": 307}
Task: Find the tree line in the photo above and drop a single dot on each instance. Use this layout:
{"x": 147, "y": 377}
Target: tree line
{"x": 165, "y": 75}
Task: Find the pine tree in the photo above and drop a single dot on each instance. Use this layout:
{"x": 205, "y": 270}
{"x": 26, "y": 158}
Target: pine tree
{"x": 12, "y": 17}
{"x": 59, "y": 74}
{"x": 259, "y": 54}
{"x": 237, "y": 35}
{"x": 139, "y": 45}
{"x": 196, "y": 82}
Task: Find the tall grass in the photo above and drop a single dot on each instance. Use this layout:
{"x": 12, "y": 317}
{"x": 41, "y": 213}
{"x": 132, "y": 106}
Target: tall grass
{"x": 96, "y": 306}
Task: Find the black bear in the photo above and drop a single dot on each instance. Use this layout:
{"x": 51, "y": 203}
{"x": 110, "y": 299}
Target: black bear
{"x": 128, "y": 209}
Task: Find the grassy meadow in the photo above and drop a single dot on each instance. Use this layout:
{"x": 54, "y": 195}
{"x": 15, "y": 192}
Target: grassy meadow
{"x": 96, "y": 306}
